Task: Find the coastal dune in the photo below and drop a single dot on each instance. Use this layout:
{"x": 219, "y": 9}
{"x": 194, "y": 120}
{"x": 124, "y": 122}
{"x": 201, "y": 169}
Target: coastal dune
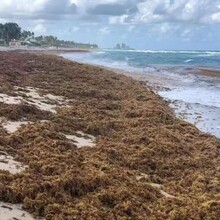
{"x": 138, "y": 161}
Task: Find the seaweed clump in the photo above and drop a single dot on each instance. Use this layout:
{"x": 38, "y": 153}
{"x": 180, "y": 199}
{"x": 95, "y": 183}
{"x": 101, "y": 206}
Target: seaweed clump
{"x": 23, "y": 110}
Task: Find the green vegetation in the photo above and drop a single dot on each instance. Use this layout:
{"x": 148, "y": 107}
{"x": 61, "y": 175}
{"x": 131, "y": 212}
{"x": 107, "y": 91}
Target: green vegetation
{"x": 26, "y": 34}
{"x": 12, "y": 31}
{"x": 54, "y": 41}
{"x": 9, "y": 31}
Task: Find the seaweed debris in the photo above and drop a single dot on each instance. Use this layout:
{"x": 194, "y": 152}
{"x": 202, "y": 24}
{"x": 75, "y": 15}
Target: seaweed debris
{"x": 146, "y": 164}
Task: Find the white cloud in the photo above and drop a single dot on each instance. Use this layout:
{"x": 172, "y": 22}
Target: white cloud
{"x": 48, "y": 9}
{"x": 86, "y": 3}
{"x": 104, "y": 30}
{"x": 131, "y": 28}
{"x": 215, "y": 17}
{"x": 124, "y": 19}
{"x": 164, "y": 28}
{"x": 18, "y": 7}
{"x": 196, "y": 11}
{"x": 74, "y": 29}
{"x": 187, "y": 34}
{"x": 161, "y": 16}
{"x": 117, "y": 11}
{"x": 3, "y": 20}
{"x": 39, "y": 29}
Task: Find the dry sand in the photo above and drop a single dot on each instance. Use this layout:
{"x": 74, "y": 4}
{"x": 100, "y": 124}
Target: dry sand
{"x": 82, "y": 140}
{"x": 10, "y": 99}
{"x": 14, "y": 212}
{"x": 13, "y": 126}
{"x": 9, "y": 164}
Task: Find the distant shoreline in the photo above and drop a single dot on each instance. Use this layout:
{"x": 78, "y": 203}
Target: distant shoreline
{"x": 50, "y": 50}
{"x": 206, "y": 71}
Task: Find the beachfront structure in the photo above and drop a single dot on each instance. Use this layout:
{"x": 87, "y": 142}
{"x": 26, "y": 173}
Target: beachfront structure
{"x": 122, "y": 46}
{"x": 27, "y": 42}
{"x": 15, "y": 43}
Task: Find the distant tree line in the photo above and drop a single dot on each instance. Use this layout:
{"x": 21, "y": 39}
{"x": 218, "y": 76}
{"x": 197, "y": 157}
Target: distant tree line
{"x": 9, "y": 31}
{"x": 54, "y": 41}
{"x": 12, "y": 31}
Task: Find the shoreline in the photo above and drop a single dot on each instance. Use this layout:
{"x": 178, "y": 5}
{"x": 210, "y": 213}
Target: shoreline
{"x": 43, "y": 50}
{"x": 200, "y": 70}
{"x": 194, "y": 113}
{"x": 100, "y": 144}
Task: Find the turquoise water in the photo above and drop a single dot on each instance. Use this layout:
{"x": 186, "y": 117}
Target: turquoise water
{"x": 143, "y": 59}
{"x": 153, "y": 59}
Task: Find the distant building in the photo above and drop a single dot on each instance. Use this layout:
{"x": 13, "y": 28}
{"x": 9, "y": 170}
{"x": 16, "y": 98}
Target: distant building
{"x": 15, "y": 43}
{"x": 118, "y": 46}
{"x": 122, "y": 46}
{"x": 27, "y": 42}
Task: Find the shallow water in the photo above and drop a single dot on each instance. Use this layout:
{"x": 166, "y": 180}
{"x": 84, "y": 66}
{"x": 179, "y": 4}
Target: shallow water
{"x": 173, "y": 75}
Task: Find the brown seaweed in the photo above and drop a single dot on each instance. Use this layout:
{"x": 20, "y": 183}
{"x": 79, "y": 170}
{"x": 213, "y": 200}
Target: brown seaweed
{"x": 136, "y": 135}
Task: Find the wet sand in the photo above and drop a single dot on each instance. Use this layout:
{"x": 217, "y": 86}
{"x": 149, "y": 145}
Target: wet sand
{"x": 208, "y": 72}
{"x": 108, "y": 147}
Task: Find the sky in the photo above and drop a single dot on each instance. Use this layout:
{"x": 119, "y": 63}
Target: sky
{"x": 142, "y": 24}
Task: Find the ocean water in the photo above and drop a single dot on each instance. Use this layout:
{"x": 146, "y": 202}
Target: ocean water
{"x": 174, "y": 76}
{"x": 144, "y": 59}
